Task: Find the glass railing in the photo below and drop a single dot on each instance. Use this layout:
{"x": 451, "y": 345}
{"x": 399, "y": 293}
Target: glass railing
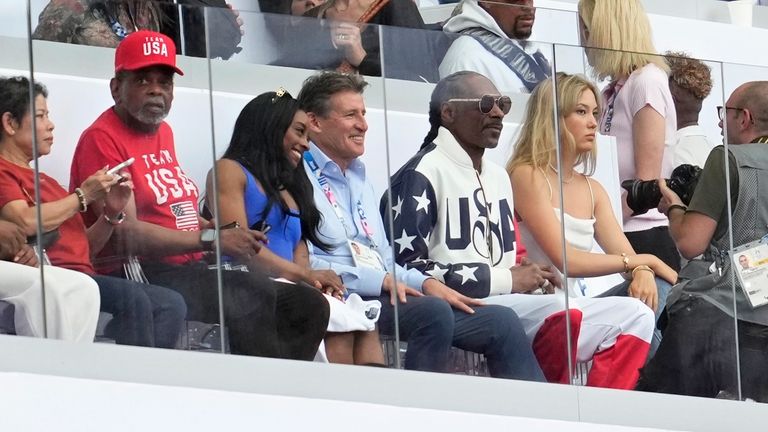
{"x": 406, "y": 190}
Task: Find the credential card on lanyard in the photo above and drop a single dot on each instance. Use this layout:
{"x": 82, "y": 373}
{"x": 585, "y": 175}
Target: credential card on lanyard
{"x": 750, "y": 263}
{"x": 364, "y": 256}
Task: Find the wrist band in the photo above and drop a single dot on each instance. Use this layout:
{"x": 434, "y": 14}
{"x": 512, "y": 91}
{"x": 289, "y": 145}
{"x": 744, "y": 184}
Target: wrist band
{"x": 676, "y": 206}
{"x": 642, "y": 268}
{"x": 81, "y": 198}
{"x": 625, "y": 260}
{"x": 117, "y": 220}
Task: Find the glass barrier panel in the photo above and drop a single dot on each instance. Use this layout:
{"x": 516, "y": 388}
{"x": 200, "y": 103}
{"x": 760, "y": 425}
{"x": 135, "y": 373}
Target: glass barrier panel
{"x": 23, "y": 295}
{"x": 740, "y": 236}
{"x": 650, "y": 225}
{"x": 131, "y": 223}
{"x": 451, "y": 213}
{"x": 264, "y": 134}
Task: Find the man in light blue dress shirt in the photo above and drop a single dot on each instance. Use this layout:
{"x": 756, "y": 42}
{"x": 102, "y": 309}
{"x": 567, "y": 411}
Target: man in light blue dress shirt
{"x": 431, "y": 316}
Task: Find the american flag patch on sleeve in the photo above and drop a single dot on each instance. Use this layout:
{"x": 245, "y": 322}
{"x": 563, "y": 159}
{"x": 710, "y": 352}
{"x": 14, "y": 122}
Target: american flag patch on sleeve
{"x": 186, "y": 217}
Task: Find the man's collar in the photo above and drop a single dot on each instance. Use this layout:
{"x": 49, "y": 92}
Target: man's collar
{"x": 761, "y": 139}
{"x": 327, "y": 165}
{"x": 448, "y": 144}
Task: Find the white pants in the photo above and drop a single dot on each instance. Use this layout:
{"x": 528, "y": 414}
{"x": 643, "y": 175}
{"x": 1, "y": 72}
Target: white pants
{"x": 613, "y": 332}
{"x": 71, "y": 301}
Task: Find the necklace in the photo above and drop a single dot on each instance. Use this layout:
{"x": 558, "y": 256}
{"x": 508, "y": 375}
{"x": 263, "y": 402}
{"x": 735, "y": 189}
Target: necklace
{"x": 570, "y": 179}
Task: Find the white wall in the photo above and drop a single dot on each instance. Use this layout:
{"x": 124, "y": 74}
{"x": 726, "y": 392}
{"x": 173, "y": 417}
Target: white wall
{"x": 76, "y": 405}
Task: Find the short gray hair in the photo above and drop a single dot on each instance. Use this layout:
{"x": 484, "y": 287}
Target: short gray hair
{"x": 316, "y": 92}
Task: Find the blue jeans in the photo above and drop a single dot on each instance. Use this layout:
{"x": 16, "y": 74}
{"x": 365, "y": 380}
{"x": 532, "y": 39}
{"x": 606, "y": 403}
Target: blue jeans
{"x": 431, "y": 327}
{"x": 142, "y": 314}
{"x": 663, "y": 287}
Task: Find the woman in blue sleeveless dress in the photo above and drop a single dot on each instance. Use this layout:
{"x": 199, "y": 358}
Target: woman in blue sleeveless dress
{"x": 262, "y": 184}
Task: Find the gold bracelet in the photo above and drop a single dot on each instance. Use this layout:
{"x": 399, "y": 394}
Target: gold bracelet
{"x": 625, "y": 260}
{"x": 642, "y": 268}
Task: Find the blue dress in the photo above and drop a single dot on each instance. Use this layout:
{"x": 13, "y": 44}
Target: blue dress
{"x": 285, "y": 233}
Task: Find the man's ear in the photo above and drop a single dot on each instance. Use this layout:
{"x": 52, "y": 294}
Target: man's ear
{"x": 447, "y": 114}
{"x": 749, "y": 119}
{"x": 9, "y": 124}
{"x": 114, "y": 88}
{"x": 314, "y": 123}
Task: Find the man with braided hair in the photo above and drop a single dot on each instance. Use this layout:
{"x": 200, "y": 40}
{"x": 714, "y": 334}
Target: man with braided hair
{"x": 690, "y": 82}
{"x": 452, "y": 214}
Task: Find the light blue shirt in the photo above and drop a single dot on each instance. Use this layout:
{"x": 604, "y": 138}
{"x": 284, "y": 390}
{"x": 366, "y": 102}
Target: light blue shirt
{"x": 348, "y": 188}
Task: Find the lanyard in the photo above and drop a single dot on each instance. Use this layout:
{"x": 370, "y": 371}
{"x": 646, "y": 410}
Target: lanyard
{"x": 612, "y": 93}
{"x": 325, "y": 186}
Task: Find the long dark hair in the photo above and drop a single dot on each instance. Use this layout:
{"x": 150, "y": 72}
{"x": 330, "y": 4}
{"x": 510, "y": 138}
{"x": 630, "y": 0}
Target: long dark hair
{"x": 257, "y": 143}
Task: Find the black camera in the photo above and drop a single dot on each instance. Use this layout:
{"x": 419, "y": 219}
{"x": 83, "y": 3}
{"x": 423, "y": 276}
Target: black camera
{"x": 643, "y": 195}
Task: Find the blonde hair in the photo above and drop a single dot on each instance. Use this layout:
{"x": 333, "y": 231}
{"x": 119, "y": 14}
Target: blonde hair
{"x": 536, "y": 144}
{"x": 619, "y": 37}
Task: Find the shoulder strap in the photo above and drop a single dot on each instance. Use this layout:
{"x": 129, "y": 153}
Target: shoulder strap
{"x": 372, "y": 10}
{"x": 531, "y": 69}
{"x": 549, "y": 185}
{"x": 591, "y": 195}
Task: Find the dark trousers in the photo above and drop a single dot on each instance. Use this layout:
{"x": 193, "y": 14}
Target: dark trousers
{"x": 142, "y": 314}
{"x": 697, "y": 356}
{"x": 431, "y": 327}
{"x": 656, "y": 241}
{"x": 264, "y": 318}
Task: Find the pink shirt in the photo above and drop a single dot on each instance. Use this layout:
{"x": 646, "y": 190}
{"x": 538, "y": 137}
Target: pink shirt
{"x": 647, "y": 86}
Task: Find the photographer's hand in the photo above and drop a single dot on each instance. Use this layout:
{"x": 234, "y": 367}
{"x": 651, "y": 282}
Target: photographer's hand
{"x": 691, "y": 230}
{"x": 668, "y": 197}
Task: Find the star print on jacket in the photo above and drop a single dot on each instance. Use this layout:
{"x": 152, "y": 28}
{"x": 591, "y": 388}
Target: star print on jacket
{"x": 442, "y": 225}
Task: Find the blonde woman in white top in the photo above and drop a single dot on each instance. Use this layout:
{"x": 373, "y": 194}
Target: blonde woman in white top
{"x": 536, "y": 184}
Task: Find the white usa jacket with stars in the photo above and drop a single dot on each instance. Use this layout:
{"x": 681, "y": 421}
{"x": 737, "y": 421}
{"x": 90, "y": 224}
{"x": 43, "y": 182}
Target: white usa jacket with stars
{"x": 452, "y": 222}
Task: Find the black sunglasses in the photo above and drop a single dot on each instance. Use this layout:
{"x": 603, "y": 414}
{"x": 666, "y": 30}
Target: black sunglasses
{"x": 486, "y": 102}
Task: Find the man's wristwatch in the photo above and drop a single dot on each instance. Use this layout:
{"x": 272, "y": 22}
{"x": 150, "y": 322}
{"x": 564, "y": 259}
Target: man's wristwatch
{"x": 207, "y": 238}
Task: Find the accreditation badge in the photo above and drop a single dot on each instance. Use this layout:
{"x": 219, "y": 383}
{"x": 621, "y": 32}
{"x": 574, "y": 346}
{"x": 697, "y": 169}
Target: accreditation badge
{"x": 364, "y": 256}
{"x": 750, "y": 264}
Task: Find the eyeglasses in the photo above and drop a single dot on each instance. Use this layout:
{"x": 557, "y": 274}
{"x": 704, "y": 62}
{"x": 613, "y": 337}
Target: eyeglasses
{"x": 722, "y": 109}
{"x": 486, "y": 103}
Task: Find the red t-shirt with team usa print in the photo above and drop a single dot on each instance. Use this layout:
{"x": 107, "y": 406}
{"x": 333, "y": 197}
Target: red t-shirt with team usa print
{"x": 164, "y": 195}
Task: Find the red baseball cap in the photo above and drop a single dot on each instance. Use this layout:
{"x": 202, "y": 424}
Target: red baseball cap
{"x": 145, "y": 48}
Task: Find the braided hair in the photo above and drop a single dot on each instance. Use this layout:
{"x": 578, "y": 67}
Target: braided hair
{"x": 447, "y": 88}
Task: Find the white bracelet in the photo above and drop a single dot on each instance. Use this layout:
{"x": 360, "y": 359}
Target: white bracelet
{"x": 117, "y": 220}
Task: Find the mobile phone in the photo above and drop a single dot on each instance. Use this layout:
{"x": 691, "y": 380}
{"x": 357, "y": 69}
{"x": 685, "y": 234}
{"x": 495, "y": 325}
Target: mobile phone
{"x": 262, "y": 226}
{"x": 115, "y": 169}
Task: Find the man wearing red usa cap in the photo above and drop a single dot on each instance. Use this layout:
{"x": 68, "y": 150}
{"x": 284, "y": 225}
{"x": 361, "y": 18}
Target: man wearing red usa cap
{"x": 161, "y": 226}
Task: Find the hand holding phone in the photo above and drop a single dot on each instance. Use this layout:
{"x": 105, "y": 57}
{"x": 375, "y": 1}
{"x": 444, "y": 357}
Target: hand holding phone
{"x": 262, "y": 226}
{"x": 115, "y": 169}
